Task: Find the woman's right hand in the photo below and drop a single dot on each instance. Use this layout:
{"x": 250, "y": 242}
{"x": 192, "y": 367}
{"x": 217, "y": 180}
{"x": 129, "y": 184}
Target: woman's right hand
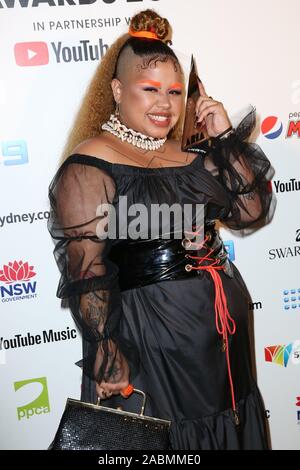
{"x": 119, "y": 377}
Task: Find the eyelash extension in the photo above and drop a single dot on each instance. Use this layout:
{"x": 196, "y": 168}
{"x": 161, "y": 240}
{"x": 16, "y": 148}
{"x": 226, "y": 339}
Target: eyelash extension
{"x": 175, "y": 92}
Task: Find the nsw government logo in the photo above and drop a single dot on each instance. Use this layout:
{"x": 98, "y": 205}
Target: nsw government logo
{"x": 17, "y": 278}
{"x": 36, "y": 391}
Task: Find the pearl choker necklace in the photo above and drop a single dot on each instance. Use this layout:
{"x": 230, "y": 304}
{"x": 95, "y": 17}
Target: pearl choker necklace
{"x": 137, "y": 139}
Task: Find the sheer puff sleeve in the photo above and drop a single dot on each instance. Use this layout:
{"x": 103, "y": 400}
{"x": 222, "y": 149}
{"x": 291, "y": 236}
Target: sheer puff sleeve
{"x": 89, "y": 279}
{"x": 245, "y": 172}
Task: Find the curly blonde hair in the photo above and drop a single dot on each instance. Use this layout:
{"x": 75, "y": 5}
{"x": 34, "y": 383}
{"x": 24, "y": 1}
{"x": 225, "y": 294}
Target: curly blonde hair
{"x": 98, "y": 102}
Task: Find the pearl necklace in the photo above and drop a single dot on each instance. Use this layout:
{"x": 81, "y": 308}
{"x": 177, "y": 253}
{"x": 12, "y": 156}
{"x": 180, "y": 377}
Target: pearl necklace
{"x": 137, "y": 139}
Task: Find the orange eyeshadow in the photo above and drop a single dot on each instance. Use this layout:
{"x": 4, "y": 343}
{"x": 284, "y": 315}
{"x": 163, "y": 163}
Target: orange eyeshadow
{"x": 151, "y": 82}
{"x": 176, "y": 85}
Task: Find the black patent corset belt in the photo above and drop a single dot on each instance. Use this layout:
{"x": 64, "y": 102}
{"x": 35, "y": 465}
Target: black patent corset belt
{"x": 149, "y": 261}
{"x": 143, "y": 262}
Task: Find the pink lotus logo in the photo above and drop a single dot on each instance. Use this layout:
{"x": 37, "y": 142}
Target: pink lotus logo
{"x": 16, "y": 271}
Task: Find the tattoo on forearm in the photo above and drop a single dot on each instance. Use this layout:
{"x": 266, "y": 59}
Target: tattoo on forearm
{"x": 96, "y": 309}
{"x": 113, "y": 371}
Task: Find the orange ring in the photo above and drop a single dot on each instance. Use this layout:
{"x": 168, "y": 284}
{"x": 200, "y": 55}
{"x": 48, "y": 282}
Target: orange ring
{"x": 127, "y": 391}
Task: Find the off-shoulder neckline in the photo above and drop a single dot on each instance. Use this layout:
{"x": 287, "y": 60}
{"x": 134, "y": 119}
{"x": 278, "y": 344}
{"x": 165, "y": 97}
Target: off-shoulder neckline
{"x": 122, "y": 168}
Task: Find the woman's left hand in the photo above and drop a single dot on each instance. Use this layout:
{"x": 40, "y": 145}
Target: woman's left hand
{"x": 212, "y": 112}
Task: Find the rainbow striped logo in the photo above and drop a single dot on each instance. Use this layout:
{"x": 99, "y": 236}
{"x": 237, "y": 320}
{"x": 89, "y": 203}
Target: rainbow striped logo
{"x": 283, "y": 354}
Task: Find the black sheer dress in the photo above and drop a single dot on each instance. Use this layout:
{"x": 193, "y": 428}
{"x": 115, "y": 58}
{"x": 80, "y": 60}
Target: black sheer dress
{"x": 183, "y": 330}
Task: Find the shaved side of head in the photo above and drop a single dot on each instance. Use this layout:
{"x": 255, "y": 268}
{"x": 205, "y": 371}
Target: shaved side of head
{"x": 126, "y": 61}
{"x": 129, "y": 62}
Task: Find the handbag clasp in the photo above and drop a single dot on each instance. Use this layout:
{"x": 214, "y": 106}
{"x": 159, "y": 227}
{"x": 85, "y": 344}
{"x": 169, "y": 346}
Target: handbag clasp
{"x": 135, "y": 390}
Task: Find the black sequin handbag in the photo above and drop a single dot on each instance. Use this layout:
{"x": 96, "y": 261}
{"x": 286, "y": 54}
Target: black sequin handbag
{"x": 85, "y": 426}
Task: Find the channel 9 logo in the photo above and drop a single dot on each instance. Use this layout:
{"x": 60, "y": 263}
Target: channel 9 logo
{"x": 14, "y": 152}
{"x": 36, "y": 391}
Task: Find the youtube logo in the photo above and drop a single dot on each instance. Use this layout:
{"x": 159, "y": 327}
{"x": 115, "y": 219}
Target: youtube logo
{"x": 31, "y": 53}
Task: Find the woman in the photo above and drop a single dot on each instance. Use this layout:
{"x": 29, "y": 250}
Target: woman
{"x": 168, "y": 315}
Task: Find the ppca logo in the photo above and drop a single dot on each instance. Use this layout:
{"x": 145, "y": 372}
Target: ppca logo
{"x": 33, "y": 388}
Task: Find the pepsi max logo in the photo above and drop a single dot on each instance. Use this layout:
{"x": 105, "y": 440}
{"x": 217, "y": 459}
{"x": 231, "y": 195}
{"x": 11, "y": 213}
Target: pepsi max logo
{"x": 271, "y": 127}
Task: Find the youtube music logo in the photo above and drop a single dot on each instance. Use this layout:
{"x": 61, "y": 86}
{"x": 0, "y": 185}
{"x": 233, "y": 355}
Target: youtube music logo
{"x": 31, "y": 53}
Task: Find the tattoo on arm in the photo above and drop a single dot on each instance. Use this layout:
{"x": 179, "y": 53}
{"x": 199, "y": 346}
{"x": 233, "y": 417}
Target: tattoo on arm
{"x": 95, "y": 311}
{"x": 113, "y": 371}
